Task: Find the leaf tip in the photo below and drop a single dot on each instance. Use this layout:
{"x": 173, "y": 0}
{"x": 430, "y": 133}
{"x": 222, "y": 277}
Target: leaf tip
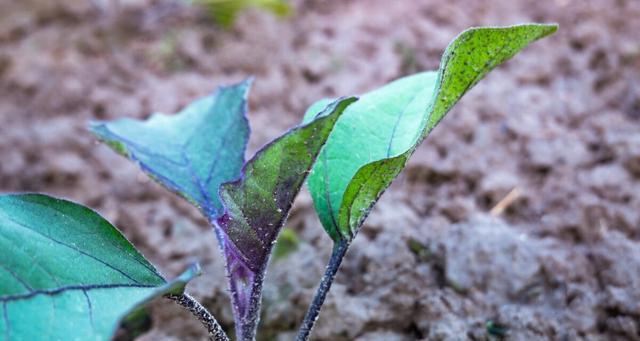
{"x": 242, "y": 86}
{"x": 552, "y": 27}
{"x": 194, "y": 270}
{"x": 177, "y": 285}
{"x": 95, "y": 127}
{"x": 545, "y": 29}
{"x": 101, "y": 132}
{"x": 248, "y": 81}
{"x": 338, "y": 105}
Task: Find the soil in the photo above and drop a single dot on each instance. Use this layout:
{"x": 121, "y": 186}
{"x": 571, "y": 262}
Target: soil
{"x": 443, "y": 256}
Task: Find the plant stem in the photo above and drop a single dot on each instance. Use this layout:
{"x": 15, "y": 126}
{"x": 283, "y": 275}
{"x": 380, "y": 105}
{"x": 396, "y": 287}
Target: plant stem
{"x": 249, "y": 326}
{"x": 245, "y": 287}
{"x": 339, "y": 250}
{"x": 194, "y": 307}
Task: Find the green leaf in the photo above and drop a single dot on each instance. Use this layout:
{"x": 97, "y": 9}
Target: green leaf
{"x": 256, "y": 207}
{"x": 192, "y": 152}
{"x": 67, "y": 274}
{"x": 373, "y": 140}
{"x": 257, "y": 204}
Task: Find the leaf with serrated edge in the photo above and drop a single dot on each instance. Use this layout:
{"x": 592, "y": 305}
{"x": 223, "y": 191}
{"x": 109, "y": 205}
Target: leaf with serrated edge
{"x": 192, "y": 152}
{"x": 256, "y": 207}
{"x": 68, "y": 274}
{"x": 372, "y": 141}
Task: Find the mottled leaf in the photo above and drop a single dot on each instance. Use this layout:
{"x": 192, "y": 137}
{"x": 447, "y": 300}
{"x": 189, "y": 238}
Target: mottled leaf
{"x": 257, "y": 205}
{"x": 373, "y": 140}
{"x": 192, "y": 152}
{"x": 68, "y": 274}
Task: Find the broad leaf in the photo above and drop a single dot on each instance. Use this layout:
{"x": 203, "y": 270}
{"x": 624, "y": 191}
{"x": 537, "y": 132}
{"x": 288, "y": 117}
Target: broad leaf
{"x": 67, "y": 274}
{"x": 193, "y": 152}
{"x": 373, "y": 140}
{"x": 257, "y": 205}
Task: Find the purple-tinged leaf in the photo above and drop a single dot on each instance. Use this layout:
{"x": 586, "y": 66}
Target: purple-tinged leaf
{"x": 256, "y": 207}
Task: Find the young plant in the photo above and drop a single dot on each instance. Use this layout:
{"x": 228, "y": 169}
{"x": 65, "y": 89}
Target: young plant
{"x": 71, "y": 273}
{"x": 195, "y": 152}
{"x": 374, "y": 139}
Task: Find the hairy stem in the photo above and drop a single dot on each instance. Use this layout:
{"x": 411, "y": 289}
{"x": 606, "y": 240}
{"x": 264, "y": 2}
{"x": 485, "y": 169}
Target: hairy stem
{"x": 245, "y": 286}
{"x": 249, "y": 326}
{"x": 194, "y": 307}
{"x": 339, "y": 250}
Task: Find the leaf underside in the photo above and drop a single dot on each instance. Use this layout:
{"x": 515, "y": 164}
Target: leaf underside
{"x": 373, "y": 140}
{"x": 193, "y": 152}
{"x": 68, "y": 274}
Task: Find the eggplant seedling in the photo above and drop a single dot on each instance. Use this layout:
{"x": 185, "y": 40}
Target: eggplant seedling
{"x": 67, "y": 273}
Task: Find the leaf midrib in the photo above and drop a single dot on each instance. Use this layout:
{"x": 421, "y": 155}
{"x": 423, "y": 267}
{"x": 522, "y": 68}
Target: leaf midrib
{"x": 327, "y": 194}
{"x": 133, "y": 253}
{"x": 398, "y": 120}
{"x": 103, "y": 262}
{"x": 83, "y": 287}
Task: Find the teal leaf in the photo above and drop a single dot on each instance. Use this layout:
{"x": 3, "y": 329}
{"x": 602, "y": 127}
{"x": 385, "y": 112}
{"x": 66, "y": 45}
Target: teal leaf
{"x": 68, "y": 274}
{"x": 192, "y": 152}
{"x": 256, "y": 207}
{"x": 373, "y": 140}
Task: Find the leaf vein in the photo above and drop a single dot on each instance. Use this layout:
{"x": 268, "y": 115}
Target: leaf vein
{"x": 59, "y": 290}
{"x": 133, "y": 253}
{"x": 327, "y": 195}
{"x": 18, "y": 278}
{"x": 74, "y": 248}
{"x": 84, "y": 292}
{"x": 5, "y": 315}
{"x": 395, "y": 126}
{"x": 197, "y": 181}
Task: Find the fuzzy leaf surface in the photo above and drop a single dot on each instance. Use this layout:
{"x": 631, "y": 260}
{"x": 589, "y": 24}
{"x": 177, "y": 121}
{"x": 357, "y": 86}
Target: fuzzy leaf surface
{"x": 68, "y": 274}
{"x": 373, "y": 140}
{"x": 193, "y": 152}
{"x": 257, "y": 205}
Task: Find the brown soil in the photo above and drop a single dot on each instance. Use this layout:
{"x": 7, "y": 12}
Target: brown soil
{"x": 560, "y": 124}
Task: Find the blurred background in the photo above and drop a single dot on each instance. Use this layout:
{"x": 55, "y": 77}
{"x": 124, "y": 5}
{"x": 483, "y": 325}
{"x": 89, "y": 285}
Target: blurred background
{"x": 519, "y": 217}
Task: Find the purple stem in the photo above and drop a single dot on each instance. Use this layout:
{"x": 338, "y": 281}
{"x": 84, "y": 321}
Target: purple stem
{"x": 245, "y": 286}
{"x": 246, "y": 294}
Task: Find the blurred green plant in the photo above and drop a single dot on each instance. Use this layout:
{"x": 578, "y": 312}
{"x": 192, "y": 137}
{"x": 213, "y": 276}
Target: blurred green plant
{"x": 224, "y": 12}
{"x": 286, "y": 244}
